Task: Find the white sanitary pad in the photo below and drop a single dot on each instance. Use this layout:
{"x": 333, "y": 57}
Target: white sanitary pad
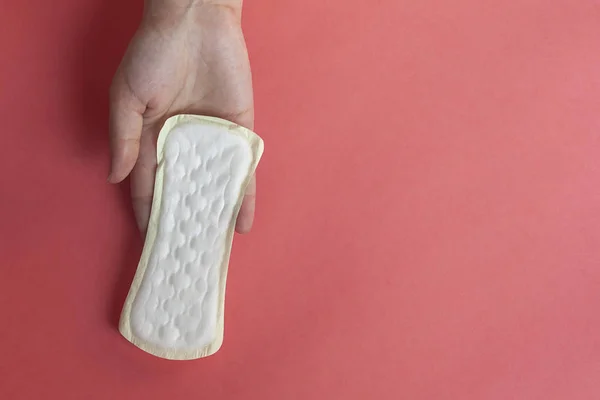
{"x": 175, "y": 305}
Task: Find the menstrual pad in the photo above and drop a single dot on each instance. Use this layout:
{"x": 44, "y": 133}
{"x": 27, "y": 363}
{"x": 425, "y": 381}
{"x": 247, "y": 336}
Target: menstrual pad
{"x": 175, "y": 305}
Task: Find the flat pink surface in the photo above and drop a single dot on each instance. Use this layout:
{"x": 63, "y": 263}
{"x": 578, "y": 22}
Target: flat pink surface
{"x": 429, "y": 206}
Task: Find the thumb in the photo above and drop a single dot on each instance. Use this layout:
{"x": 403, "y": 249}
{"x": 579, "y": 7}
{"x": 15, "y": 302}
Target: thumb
{"x": 126, "y": 120}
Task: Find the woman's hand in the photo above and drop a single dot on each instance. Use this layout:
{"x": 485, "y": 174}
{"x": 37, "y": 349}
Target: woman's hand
{"x": 186, "y": 57}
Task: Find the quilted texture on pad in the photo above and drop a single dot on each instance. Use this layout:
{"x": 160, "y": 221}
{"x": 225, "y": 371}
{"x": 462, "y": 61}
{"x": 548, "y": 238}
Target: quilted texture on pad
{"x": 175, "y": 305}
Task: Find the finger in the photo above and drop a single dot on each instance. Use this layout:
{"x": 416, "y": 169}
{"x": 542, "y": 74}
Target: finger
{"x": 125, "y": 129}
{"x": 246, "y": 216}
{"x": 142, "y": 179}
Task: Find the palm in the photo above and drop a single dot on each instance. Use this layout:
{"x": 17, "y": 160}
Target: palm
{"x": 192, "y": 68}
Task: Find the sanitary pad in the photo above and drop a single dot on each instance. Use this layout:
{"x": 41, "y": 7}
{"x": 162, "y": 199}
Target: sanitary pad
{"x": 174, "y": 308}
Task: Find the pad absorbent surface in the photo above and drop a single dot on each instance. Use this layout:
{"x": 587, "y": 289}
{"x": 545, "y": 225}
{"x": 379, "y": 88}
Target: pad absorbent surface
{"x": 175, "y": 305}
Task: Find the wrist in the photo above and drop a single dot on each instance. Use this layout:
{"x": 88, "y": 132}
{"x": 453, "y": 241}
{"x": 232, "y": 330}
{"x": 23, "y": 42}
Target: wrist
{"x": 174, "y": 12}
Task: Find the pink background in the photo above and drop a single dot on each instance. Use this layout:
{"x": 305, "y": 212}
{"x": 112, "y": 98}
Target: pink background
{"x": 429, "y": 206}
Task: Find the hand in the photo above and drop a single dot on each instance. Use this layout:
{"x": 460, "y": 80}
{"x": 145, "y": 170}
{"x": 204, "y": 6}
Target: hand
{"x": 186, "y": 59}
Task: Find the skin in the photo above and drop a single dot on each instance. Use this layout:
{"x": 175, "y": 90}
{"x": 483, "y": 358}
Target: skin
{"x": 186, "y": 57}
